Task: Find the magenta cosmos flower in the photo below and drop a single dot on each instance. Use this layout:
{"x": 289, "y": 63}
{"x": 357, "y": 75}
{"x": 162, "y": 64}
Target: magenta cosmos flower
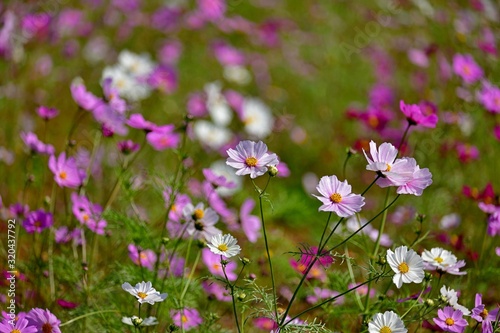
{"x": 88, "y": 213}
{"x": 37, "y": 221}
{"x": 251, "y": 158}
{"x": 47, "y": 113}
{"x": 66, "y": 173}
{"x": 489, "y": 97}
{"x": 451, "y": 320}
{"x": 336, "y": 197}
{"x": 423, "y": 115}
{"x": 35, "y": 145}
{"x": 163, "y": 137}
{"x": 465, "y": 67}
{"x": 21, "y": 326}
{"x": 483, "y": 316}
{"x": 44, "y": 320}
{"x": 186, "y": 318}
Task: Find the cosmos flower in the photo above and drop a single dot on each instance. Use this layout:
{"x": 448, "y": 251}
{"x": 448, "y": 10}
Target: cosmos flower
{"x": 388, "y": 322}
{"x": 465, "y": 67}
{"x": 44, "y": 320}
{"x": 484, "y": 316}
{"x": 144, "y": 258}
{"x": 186, "y": 318}
{"x": 47, "y": 113}
{"x": 144, "y": 292}
{"x": 438, "y": 258}
{"x": 212, "y": 261}
{"x": 489, "y": 97}
{"x": 451, "y": 297}
{"x": 408, "y": 266}
{"x": 37, "y": 221}
{"x": 250, "y": 223}
{"x": 451, "y": 320}
{"x": 201, "y": 221}
{"x": 225, "y": 245}
{"x": 421, "y": 115}
{"x": 337, "y": 197}
{"x": 88, "y": 213}
{"x": 31, "y": 141}
{"x": 251, "y": 158}
{"x": 65, "y": 170}
{"x": 257, "y": 118}
{"x": 136, "y": 321}
{"x": 163, "y": 137}
{"x": 21, "y": 325}
{"x": 211, "y": 135}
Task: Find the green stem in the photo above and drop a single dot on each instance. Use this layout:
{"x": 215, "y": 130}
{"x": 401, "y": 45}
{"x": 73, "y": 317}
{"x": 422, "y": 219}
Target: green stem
{"x": 191, "y": 274}
{"x": 86, "y": 315}
{"x": 51, "y": 245}
{"x": 231, "y": 286}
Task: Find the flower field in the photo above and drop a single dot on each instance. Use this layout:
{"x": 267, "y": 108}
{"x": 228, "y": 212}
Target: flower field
{"x": 249, "y": 166}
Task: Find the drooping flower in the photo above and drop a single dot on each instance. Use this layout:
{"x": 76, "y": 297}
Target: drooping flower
{"x": 138, "y": 322}
{"x": 37, "y": 221}
{"x": 65, "y": 170}
{"x": 420, "y": 115}
{"x": 186, "y": 318}
{"x": 251, "y": 158}
{"x": 35, "y": 145}
{"x": 225, "y": 245}
{"x": 465, "y": 67}
{"x": 337, "y": 197}
{"x": 484, "y": 316}
{"x": 408, "y": 266}
{"x": 451, "y": 297}
{"x": 451, "y": 320}
{"x": 44, "y": 320}
{"x": 388, "y": 322}
{"x": 144, "y": 292}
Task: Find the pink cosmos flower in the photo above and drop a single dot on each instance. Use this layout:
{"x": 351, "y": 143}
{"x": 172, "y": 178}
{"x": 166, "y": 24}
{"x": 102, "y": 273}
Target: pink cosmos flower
{"x": 212, "y": 9}
{"x": 35, "y": 145}
{"x": 421, "y": 179}
{"x": 85, "y": 99}
{"x": 21, "y": 325}
{"x": 218, "y": 181}
{"x": 88, "y": 213}
{"x": 336, "y": 197}
{"x": 228, "y": 55}
{"x": 112, "y": 95}
{"x": 216, "y": 290}
{"x": 249, "y": 223}
{"x": 212, "y": 261}
{"x": 143, "y": 258}
{"x": 316, "y": 272}
{"x": 197, "y": 105}
{"x": 66, "y": 304}
{"x": 393, "y": 172}
{"x": 466, "y": 152}
{"x": 465, "y": 67}
{"x": 47, "y": 113}
{"x": 251, "y": 158}
{"x": 489, "y": 97}
{"x": 128, "y": 146}
{"x": 186, "y": 318}
{"x": 163, "y": 78}
{"x": 451, "y": 320}
{"x": 484, "y": 316}
{"x": 320, "y": 294}
{"x": 163, "y": 137}
{"x": 66, "y": 173}
{"x": 37, "y": 221}
{"x": 136, "y": 120}
{"x": 423, "y": 114}
{"x": 44, "y": 320}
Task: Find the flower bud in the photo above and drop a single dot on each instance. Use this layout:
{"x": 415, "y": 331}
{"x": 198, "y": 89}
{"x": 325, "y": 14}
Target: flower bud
{"x": 272, "y": 170}
{"x": 241, "y": 296}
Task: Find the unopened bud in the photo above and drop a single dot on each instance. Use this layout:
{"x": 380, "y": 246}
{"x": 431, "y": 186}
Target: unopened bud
{"x": 165, "y": 240}
{"x": 242, "y": 296}
{"x": 245, "y": 261}
{"x": 272, "y": 170}
{"x": 429, "y": 302}
{"x": 137, "y": 321}
{"x": 381, "y": 260}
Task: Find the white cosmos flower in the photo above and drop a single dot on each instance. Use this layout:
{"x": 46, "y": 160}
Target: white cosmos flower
{"x": 217, "y": 106}
{"x": 237, "y": 74}
{"x": 127, "y": 85}
{"x": 389, "y": 322}
{"x": 407, "y": 264}
{"x": 438, "y": 258}
{"x": 136, "y": 321}
{"x": 137, "y": 65}
{"x": 257, "y": 118}
{"x": 144, "y": 292}
{"x": 451, "y": 297}
{"x": 224, "y": 245}
{"x": 211, "y": 135}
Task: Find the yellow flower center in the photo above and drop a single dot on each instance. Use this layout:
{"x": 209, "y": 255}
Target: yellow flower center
{"x": 336, "y": 198}
{"x": 15, "y": 331}
{"x": 388, "y": 168}
{"x": 222, "y": 247}
{"x": 142, "y": 295}
{"x": 184, "y": 319}
{"x": 467, "y": 70}
{"x": 198, "y": 214}
{"x": 37, "y": 224}
{"x": 385, "y": 329}
{"x": 484, "y": 314}
{"x": 449, "y": 321}
{"x": 438, "y": 260}
{"x": 403, "y": 267}
{"x": 47, "y": 328}
{"x": 85, "y": 217}
{"x": 63, "y": 175}
{"x": 216, "y": 267}
{"x": 251, "y": 161}
{"x": 373, "y": 121}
